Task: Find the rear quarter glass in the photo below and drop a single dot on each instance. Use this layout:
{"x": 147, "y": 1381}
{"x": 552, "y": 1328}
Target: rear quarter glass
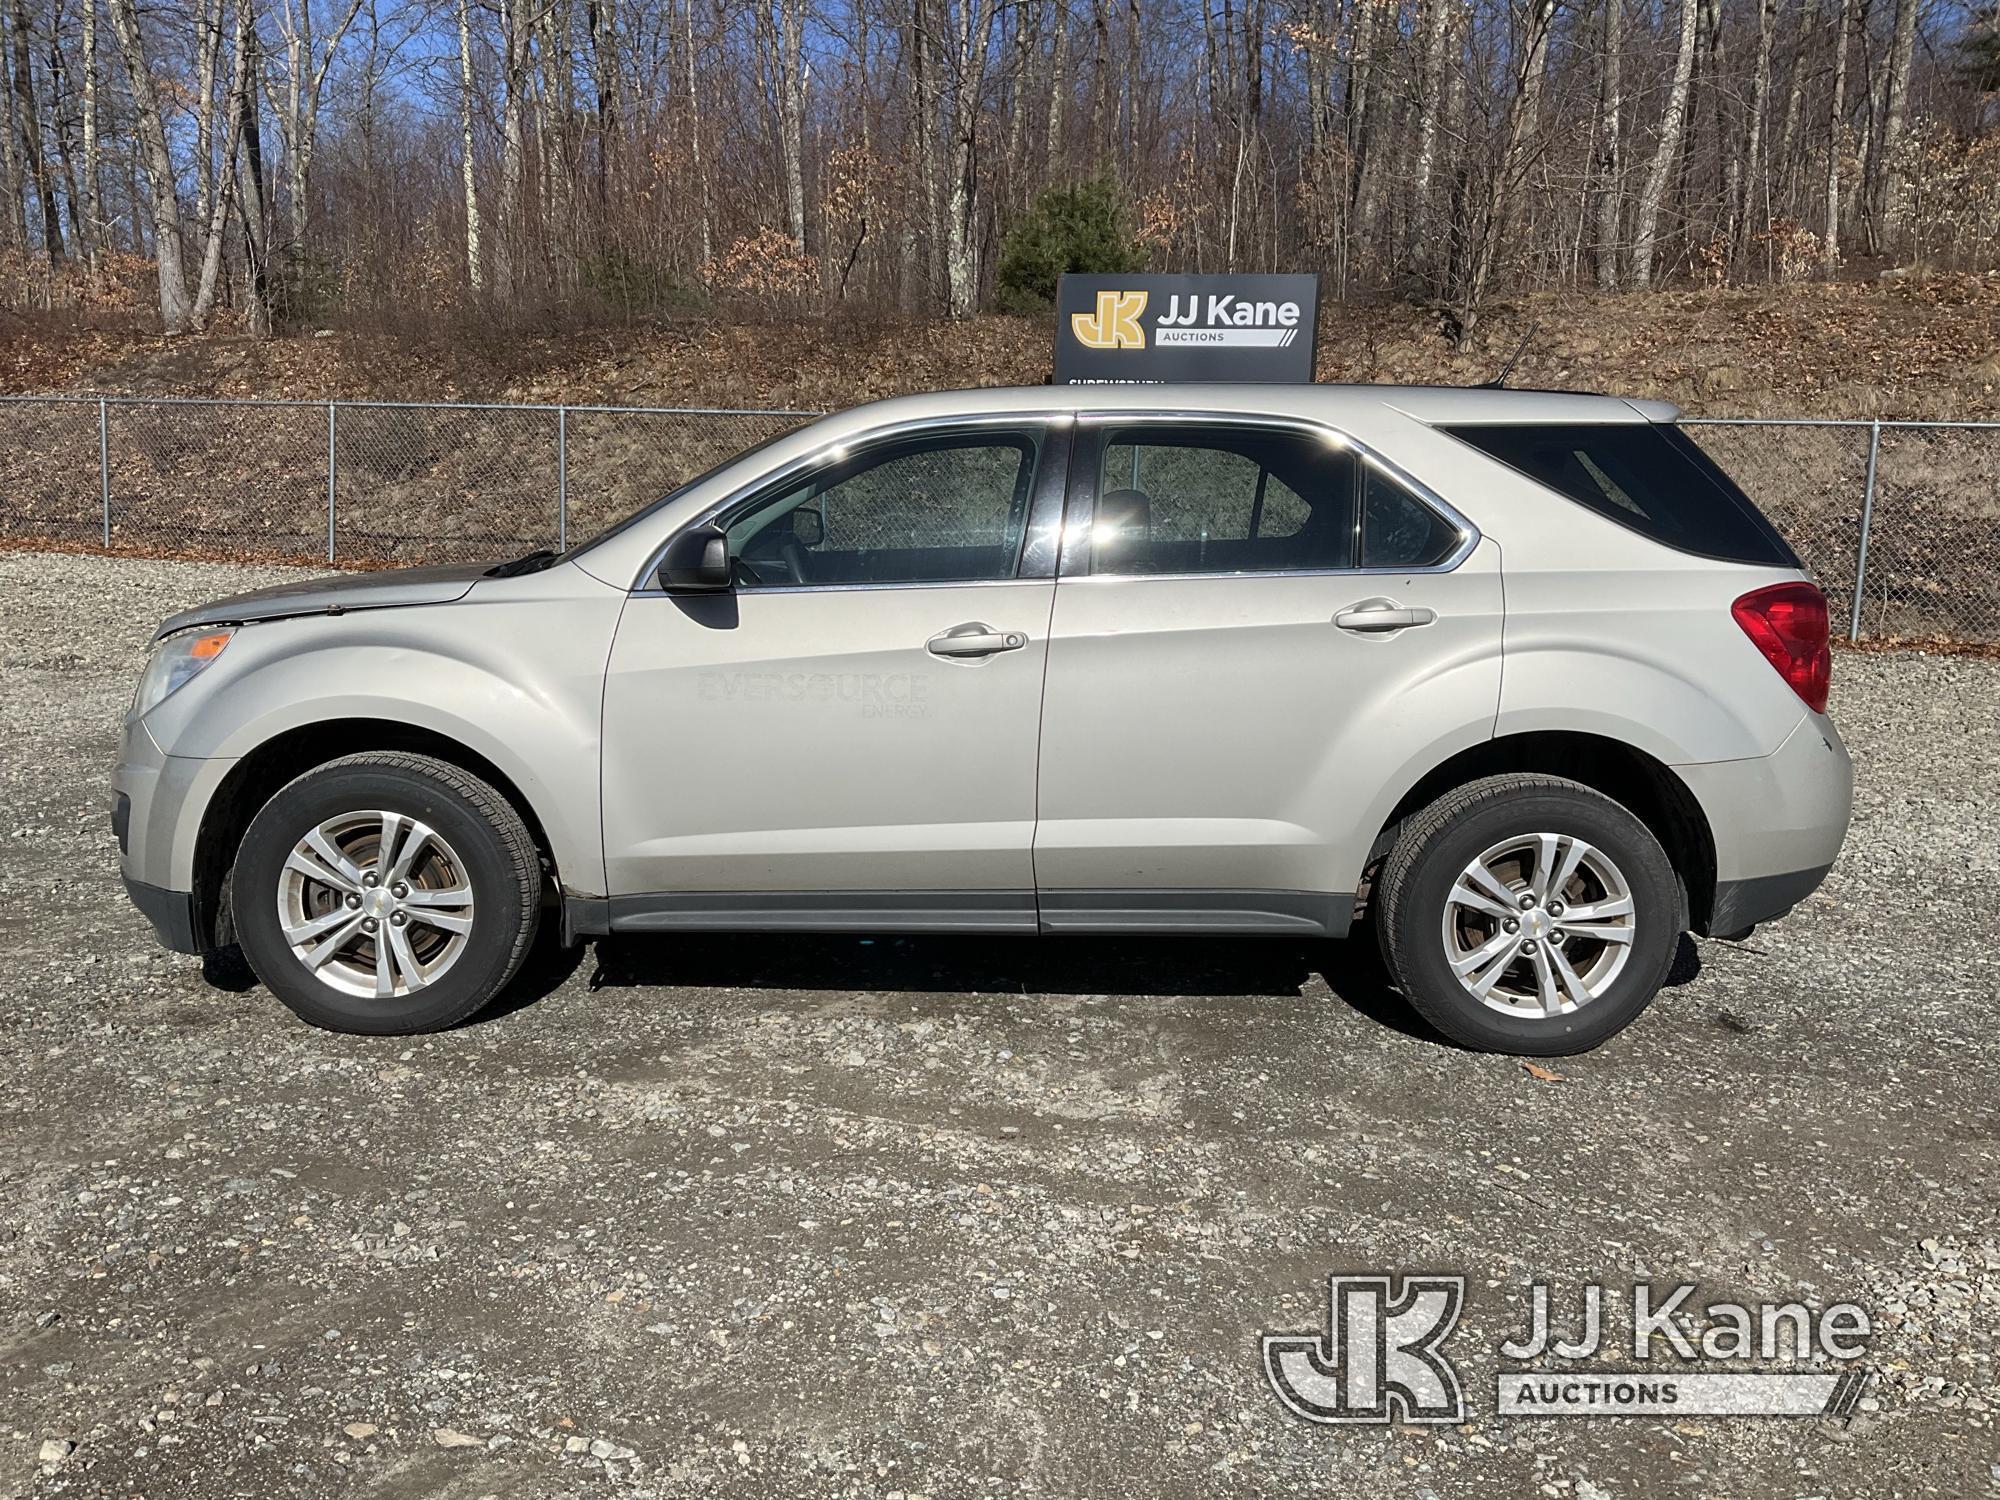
{"x": 1649, "y": 477}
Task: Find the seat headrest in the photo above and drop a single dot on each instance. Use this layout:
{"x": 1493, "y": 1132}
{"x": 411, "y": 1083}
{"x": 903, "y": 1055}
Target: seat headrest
{"x": 1127, "y": 512}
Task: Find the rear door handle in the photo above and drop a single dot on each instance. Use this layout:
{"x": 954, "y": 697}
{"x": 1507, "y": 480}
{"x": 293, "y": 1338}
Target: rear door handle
{"x": 1371, "y": 617}
{"x": 976, "y": 638}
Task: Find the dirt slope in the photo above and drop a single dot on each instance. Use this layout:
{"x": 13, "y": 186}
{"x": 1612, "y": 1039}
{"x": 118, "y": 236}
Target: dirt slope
{"x": 1920, "y": 347}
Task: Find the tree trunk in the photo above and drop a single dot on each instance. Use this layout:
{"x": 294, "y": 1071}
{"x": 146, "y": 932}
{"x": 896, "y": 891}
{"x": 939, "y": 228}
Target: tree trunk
{"x": 1722, "y": 100}
{"x": 1490, "y": 231}
{"x": 694, "y": 140}
{"x": 507, "y": 240}
{"x": 791, "y": 91}
{"x": 1430, "y": 99}
{"x": 93, "y": 211}
{"x": 64, "y": 118}
{"x": 1647, "y": 217}
{"x": 1787, "y": 158}
{"x": 208, "y": 55}
{"x": 223, "y": 191}
{"x": 1610, "y": 146}
{"x": 1830, "y": 246}
{"x": 469, "y": 177}
{"x": 298, "y": 118}
{"x": 253, "y": 195}
{"x": 1895, "y": 115}
{"x": 1058, "y": 86}
{"x": 16, "y": 186}
{"x": 165, "y": 195}
{"x": 35, "y": 159}
{"x": 1754, "y": 172}
{"x": 974, "y": 42}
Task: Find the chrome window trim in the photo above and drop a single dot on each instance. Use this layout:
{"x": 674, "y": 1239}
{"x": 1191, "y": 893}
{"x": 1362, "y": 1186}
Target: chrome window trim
{"x": 857, "y": 588}
{"x": 833, "y": 451}
{"x": 1469, "y": 535}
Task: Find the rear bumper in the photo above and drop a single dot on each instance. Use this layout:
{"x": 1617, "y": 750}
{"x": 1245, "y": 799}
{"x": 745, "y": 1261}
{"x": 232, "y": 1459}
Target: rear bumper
{"x": 171, "y": 913}
{"x": 1778, "y": 822}
{"x": 1742, "y": 904}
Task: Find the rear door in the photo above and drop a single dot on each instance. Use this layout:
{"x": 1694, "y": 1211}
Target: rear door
{"x": 847, "y": 737}
{"x": 1259, "y": 629}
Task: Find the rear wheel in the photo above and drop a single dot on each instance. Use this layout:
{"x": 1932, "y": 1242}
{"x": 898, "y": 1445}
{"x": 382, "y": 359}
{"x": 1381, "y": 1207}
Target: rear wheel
{"x": 386, "y": 893}
{"x": 1528, "y": 914}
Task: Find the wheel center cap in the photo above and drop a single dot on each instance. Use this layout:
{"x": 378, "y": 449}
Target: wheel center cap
{"x": 1535, "y": 923}
{"x": 377, "y": 902}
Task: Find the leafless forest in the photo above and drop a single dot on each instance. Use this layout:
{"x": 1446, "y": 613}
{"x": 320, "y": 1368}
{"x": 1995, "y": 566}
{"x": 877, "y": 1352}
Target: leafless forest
{"x": 304, "y": 163}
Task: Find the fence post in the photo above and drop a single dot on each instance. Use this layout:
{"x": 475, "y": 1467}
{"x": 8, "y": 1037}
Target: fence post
{"x": 1867, "y": 521}
{"x": 329, "y": 482}
{"x": 562, "y": 479}
{"x": 104, "y": 468}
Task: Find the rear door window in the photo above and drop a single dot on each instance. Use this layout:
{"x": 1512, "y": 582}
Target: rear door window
{"x": 1218, "y": 499}
{"x": 1648, "y": 476}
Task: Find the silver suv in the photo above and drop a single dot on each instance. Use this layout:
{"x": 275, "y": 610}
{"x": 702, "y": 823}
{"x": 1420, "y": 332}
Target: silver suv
{"x": 1520, "y": 679}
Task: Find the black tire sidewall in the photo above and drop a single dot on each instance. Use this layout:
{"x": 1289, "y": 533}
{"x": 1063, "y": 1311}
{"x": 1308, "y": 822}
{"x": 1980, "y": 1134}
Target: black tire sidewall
{"x": 496, "y": 892}
{"x": 1419, "y": 957}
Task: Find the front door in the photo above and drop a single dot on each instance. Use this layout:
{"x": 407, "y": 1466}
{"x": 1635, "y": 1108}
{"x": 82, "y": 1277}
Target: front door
{"x": 847, "y": 737}
{"x": 1265, "y": 629}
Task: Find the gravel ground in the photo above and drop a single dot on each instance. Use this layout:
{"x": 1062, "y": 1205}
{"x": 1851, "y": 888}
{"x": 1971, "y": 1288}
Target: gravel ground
{"x": 956, "y": 1217}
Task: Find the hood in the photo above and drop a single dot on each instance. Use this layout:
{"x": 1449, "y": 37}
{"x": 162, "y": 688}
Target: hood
{"x": 324, "y": 596}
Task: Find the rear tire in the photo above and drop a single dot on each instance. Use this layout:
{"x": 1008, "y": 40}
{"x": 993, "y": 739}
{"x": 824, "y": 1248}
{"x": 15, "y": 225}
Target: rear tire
{"x": 1472, "y": 906}
{"x": 386, "y": 894}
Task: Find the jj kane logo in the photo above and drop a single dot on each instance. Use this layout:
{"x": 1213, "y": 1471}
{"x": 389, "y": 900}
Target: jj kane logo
{"x": 1122, "y": 330}
{"x": 1115, "y": 324}
{"x": 1381, "y": 1356}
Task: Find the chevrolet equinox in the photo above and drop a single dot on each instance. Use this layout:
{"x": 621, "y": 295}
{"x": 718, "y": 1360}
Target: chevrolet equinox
{"x": 1520, "y": 680}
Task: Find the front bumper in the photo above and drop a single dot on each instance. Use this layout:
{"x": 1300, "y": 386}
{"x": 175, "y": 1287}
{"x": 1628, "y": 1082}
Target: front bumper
{"x": 172, "y": 914}
{"x": 156, "y": 801}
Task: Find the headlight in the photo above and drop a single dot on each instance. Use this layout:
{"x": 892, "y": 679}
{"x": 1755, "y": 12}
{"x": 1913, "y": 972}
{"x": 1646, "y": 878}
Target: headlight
{"x": 173, "y": 662}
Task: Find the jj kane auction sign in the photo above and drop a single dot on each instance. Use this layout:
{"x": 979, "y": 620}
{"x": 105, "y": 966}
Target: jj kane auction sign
{"x": 1123, "y": 329}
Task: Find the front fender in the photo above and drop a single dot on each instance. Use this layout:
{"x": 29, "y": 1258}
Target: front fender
{"x": 519, "y": 686}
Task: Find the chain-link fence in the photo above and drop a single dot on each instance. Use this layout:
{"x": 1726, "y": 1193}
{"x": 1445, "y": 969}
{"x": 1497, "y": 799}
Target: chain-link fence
{"x": 1899, "y": 521}
{"x": 348, "y": 482}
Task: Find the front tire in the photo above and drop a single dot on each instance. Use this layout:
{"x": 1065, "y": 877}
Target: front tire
{"x": 386, "y": 894}
{"x": 1528, "y": 915}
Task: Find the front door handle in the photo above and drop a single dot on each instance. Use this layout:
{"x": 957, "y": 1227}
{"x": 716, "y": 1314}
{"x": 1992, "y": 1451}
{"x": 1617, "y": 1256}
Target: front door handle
{"x": 1374, "y": 615}
{"x": 976, "y": 638}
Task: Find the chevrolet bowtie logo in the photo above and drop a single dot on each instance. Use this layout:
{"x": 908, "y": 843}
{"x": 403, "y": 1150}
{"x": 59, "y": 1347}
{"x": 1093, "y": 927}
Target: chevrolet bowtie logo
{"x": 1115, "y": 324}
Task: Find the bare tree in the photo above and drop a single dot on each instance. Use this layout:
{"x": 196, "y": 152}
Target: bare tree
{"x": 1646, "y": 218}
{"x": 1610, "y": 146}
{"x": 175, "y": 308}
{"x": 34, "y": 158}
{"x": 307, "y": 62}
{"x": 93, "y": 213}
{"x": 1754, "y": 170}
{"x": 1888, "y": 207}
{"x": 1830, "y": 241}
{"x": 468, "y": 173}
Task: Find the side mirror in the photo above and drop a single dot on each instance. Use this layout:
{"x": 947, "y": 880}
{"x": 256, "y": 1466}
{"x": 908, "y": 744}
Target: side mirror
{"x": 808, "y": 527}
{"x": 696, "y": 561}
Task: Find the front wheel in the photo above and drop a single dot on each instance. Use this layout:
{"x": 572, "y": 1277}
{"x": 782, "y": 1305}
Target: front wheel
{"x": 386, "y": 893}
{"x": 1528, "y": 914}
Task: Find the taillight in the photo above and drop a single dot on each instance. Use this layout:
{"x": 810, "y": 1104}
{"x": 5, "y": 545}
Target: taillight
{"x": 1788, "y": 623}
